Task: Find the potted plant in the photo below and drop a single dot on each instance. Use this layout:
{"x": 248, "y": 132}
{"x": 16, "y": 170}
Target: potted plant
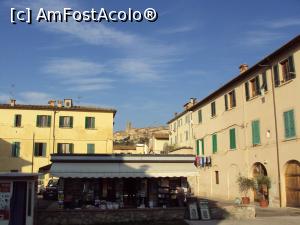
{"x": 245, "y": 185}
{"x": 263, "y": 184}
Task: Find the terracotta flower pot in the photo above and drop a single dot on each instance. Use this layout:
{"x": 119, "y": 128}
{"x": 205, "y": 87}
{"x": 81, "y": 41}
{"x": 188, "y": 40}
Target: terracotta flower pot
{"x": 246, "y": 200}
{"x": 263, "y": 203}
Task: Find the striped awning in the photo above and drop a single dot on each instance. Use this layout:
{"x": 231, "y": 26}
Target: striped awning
{"x": 87, "y": 167}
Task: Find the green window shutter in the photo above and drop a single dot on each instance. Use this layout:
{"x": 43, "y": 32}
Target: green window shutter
{"x": 61, "y": 121}
{"x": 226, "y": 102}
{"x": 44, "y": 149}
{"x": 232, "y": 138}
{"x": 36, "y": 149}
{"x": 49, "y": 121}
{"x": 247, "y": 91}
{"x": 276, "y": 75}
{"x": 71, "y": 121}
{"x": 17, "y": 149}
{"x": 292, "y": 67}
{"x": 214, "y": 143}
{"x": 265, "y": 82}
{"x": 38, "y": 121}
{"x": 71, "y": 148}
{"x": 86, "y": 122}
{"x": 202, "y": 144}
{"x": 255, "y": 132}
{"x": 200, "y": 116}
{"x": 257, "y": 85}
{"x": 90, "y": 148}
{"x": 198, "y": 147}
{"x": 234, "y": 99}
{"x": 289, "y": 124}
{"x": 93, "y": 122}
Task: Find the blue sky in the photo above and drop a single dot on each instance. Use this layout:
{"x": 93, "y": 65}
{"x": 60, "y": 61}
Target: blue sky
{"x": 147, "y": 71}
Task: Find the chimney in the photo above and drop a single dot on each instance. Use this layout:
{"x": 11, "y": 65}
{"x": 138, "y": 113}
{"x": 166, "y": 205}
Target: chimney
{"x": 12, "y": 102}
{"x": 59, "y": 103}
{"x": 190, "y": 103}
{"x": 175, "y": 114}
{"x": 68, "y": 103}
{"x": 243, "y": 68}
{"x": 51, "y": 103}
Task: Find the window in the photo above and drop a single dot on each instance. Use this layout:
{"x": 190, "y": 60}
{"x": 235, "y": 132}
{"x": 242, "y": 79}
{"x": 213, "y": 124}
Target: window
{"x": 186, "y": 135}
{"x": 65, "y": 148}
{"x": 65, "y": 121}
{"x": 200, "y": 147}
{"x": 289, "y": 124}
{"x": 200, "y": 116}
{"x": 255, "y": 132}
{"x": 43, "y": 121}
{"x": 40, "y": 149}
{"x": 214, "y": 143}
{"x": 232, "y": 138}
{"x": 230, "y": 100}
{"x": 252, "y": 88}
{"x": 187, "y": 119}
{"x": 174, "y": 127}
{"x": 217, "y": 177}
{"x": 213, "y": 109}
{"x": 287, "y": 71}
{"x": 90, "y": 148}
{"x": 15, "y": 149}
{"x": 18, "y": 120}
{"x": 89, "y": 122}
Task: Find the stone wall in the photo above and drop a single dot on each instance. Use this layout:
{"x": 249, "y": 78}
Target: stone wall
{"x": 93, "y": 217}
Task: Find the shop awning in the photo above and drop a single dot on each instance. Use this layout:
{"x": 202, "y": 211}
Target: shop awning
{"x": 112, "y": 166}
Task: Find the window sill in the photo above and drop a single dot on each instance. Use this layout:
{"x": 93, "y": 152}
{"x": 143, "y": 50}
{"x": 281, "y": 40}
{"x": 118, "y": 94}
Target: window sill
{"x": 213, "y": 117}
{"x": 44, "y": 157}
{"x": 232, "y": 108}
{"x": 43, "y": 127}
{"x": 17, "y": 127}
{"x": 290, "y": 139}
{"x": 66, "y": 127}
{"x": 282, "y": 82}
{"x": 90, "y": 128}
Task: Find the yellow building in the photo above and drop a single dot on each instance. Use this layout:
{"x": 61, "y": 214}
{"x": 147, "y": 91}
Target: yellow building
{"x": 30, "y": 133}
{"x": 251, "y": 126}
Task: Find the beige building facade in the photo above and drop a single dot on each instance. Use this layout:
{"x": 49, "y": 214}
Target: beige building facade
{"x": 30, "y": 133}
{"x": 251, "y": 126}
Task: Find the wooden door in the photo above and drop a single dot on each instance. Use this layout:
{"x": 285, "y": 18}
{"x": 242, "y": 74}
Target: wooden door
{"x": 292, "y": 183}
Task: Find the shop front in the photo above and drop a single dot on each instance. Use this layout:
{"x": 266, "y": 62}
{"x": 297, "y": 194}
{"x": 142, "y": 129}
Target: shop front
{"x": 108, "y": 182}
{"x": 17, "y": 194}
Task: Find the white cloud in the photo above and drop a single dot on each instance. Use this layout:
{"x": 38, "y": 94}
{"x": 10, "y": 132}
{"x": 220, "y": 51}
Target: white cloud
{"x": 33, "y": 97}
{"x": 283, "y": 23}
{"x": 178, "y": 29}
{"x": 4, "y": 98}
{"x": 259, "y": 37}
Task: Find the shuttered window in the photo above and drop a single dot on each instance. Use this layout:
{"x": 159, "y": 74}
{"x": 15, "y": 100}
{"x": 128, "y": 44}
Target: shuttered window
{"x": 292, "y": 71}
{"x": 213, "y": 109}
{"x": 90, "y": 148}
{"x": 276, "y": 75}
{"x": 200, "y": 147}
{"x": 232, "y": 138}
{"x": 43, "y": 121}
{"x": 255, "y": 132}
{"x": 247, "y": 91}
{"x": 18, "y": 120}
{"x": 289, "y": 124}
{"x": 226, "y": 102}
{"x": 65, "y": 121}
{"x": 15, "y": 149}
{"x": 214, "y": 143}
{"x": 40, "y": 149}
{"x": 65, "y": 148}
{"x": 89, "y": 122}
{"x": 200, "y": 116}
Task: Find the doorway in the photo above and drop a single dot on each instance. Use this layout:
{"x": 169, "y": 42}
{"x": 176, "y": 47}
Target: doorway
{"x": 258, "y": 169}
{"x": 292, "y": 184}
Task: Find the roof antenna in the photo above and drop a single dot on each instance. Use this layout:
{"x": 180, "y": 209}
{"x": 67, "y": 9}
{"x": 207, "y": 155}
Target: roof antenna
{"x": 11, "y": 91}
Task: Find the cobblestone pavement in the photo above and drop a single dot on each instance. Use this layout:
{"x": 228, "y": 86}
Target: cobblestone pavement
{"x": 281, "y": 220}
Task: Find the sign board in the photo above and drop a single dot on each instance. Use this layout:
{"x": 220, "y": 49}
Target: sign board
{"x": 193, "y": 211}
{"x": 204, "y": 210}
{"x": 4, "y": 201}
